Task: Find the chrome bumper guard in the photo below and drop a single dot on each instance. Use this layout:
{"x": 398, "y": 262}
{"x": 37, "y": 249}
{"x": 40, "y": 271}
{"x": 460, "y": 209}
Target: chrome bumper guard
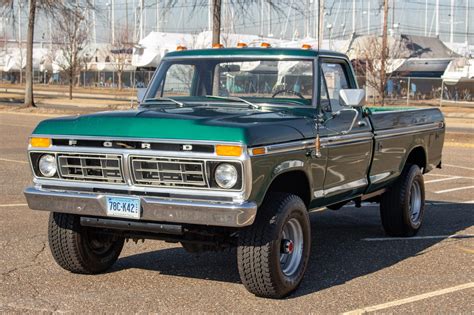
{"x": 153, "y": 208}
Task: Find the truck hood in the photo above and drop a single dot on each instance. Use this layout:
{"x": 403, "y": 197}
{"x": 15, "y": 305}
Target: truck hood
{"x": 210, "y": 123}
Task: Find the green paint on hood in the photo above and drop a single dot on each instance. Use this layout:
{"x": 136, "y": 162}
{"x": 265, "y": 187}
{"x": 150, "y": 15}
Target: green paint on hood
{"x": 134, "y": 125}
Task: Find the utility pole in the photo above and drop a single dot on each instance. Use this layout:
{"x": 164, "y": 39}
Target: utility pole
{"x": 216, "y": 38}
{"x": 383, "y": 56}
{"x": 216, "y": 21}
{"x": 269, "y": 5}
{"x": 426, "y": 17}
{"x": 157, "y": 15}
{"x": 353, "y": 16}
{"x": 94, "y": 31}
{"x": 113, "y": 21}
{"x": 262, "y": 14}
{"x": 209, "y": 15}
{"x": 126, "y": 22}
{"x": 467, "y": 23}
{"x": 141, "y": 18}
{"x": 451, "y": 34}
{"x": 321, "y": 23}
{"x": 368, "y": 18}
{"x": 20, "y": 5}
{"x": 437, "y": 17}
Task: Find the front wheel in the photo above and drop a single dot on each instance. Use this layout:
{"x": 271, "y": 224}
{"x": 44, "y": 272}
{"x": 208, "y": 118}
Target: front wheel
{"x": 273, "y": 253}
{"x": 81, "y": 249}
{"x": 403, "y": 206}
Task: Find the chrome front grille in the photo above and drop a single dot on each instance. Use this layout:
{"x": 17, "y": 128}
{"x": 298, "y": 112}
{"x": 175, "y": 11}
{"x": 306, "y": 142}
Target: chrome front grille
{"x": 168, "y": 172}
{"x": 87, "y": 167}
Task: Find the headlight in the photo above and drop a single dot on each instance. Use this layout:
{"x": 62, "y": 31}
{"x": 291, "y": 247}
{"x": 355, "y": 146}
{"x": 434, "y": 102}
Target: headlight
{"x": 226, "y": 175}
{"x": 47, "y": 165}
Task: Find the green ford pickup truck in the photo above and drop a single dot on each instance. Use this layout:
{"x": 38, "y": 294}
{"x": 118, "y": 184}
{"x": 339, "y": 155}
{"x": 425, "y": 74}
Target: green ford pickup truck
{"x": 231, "y": 148}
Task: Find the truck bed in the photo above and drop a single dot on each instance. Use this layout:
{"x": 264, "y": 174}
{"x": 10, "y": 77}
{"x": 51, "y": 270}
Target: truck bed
{"x": 399, "y": 132}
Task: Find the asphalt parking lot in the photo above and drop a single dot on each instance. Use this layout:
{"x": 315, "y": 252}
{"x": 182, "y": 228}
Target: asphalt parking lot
{"x": 354, "y": 267}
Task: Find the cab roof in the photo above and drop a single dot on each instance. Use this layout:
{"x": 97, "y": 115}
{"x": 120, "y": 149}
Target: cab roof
{"x": 253, "y": 52}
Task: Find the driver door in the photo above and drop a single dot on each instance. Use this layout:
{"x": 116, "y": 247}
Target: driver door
{"x": 349, "y": 153}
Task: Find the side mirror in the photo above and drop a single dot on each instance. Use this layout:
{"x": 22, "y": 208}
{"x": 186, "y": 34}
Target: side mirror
{"x": 140, "y": 94}
{"x": 352, "y": 97}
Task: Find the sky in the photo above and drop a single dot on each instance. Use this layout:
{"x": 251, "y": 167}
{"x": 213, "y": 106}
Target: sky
{"x": 287, "y": 19}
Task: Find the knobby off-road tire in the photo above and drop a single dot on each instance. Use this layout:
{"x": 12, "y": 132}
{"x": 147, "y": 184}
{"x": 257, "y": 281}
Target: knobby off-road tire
{"x": 266, "y": 266}
{"x": 403, "y": 206}
{"x": 80, "y": 249}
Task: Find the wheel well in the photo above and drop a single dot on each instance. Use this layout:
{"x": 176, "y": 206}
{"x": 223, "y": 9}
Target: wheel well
{"x": 294, "y": 182}
{"x": 417, "y": 156}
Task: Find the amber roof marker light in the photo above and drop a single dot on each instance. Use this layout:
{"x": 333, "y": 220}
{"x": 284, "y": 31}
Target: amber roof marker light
{"x": 217, "y": 46}
{"x": 306, "y": 46}
{"x": 265, "y": 45}
{"x": 181, "y": 47}
{"x": 241, "y": 45}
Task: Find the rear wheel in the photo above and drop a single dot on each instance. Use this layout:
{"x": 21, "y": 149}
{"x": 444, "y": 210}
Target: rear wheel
{"x": 273, "y": 253}
{"x": 81, "y": 249}
{"x": 402, "y": 207}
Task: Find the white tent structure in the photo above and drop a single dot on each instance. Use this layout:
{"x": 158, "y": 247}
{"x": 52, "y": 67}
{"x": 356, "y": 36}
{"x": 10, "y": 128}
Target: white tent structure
{"x": 459, "y": 70}
{"x": 14, "y": 59}
{"x": 154, "y": 46}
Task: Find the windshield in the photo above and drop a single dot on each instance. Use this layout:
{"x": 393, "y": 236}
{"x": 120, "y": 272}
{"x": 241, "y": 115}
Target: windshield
{"x": 257, "y": 80}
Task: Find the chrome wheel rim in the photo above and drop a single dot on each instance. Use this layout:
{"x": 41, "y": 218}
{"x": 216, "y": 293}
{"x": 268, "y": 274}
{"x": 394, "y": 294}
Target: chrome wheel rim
{"x": 415, "y": 202}
{"x": 291, "y": 247}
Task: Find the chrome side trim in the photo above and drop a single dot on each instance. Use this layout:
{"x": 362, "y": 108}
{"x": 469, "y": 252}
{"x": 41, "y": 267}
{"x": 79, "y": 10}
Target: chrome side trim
{"x": 153, "y": 209}
{"x": 407, "y": 130}
{"x": 347, "y": 186}
{"x": 326, "y": 142}
{"x": 378, "y": 177}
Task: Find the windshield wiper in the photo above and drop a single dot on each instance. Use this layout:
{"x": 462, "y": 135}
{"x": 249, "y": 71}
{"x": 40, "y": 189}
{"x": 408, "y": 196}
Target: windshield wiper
{"x": 180, "y": 104}
{"x": 235, "y": 99}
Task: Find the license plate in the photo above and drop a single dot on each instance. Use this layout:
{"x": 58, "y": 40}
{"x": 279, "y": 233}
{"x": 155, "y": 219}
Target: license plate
{"x": 123, "y": 207}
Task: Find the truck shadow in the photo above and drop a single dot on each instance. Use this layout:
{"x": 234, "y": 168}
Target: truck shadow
{"x": 339, "y": 252}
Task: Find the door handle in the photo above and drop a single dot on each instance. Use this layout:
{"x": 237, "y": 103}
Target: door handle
{"x": 362, "y": 123}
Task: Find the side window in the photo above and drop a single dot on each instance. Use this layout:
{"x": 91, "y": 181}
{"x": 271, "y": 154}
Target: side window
{"x": 179, "y": 80}
{"x": 335, "y": 79}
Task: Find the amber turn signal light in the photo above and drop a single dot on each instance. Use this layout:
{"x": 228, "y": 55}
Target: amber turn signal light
{"x": 258, "y": 151}
{"x": 40, "y": 142}
{"x": 228, "y": 150}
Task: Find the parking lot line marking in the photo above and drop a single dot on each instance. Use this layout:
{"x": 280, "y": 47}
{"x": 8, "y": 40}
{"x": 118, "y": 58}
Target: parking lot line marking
{"x": 14, "y": 161}
{"x": 411, "y": 299}
{"x": 441, "y": 179}
{"x": 442, "y": 175}
{"x": 453, "y": 189}
{"x": 467, "y": 250}
{"x": 414, "y": 238}
{"x": 457, "y": 166}
{"x": 14, "y": 205}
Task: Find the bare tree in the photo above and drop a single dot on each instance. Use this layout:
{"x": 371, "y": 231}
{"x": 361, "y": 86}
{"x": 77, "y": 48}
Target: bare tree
{"x": 121, "y": 51}
{"x": 50, "y": 8}
{"x": 29, "y": 101}
{"x": 376, "y": 70}
{"x": 72, "y": 36}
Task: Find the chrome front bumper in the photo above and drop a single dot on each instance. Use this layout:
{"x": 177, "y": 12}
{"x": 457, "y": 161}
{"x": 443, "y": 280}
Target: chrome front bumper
{"x": 153, "y": 208}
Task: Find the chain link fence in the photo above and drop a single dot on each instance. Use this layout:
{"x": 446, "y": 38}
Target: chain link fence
{"x": 399, "y": 90}
{"x": 421, "y": 91}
